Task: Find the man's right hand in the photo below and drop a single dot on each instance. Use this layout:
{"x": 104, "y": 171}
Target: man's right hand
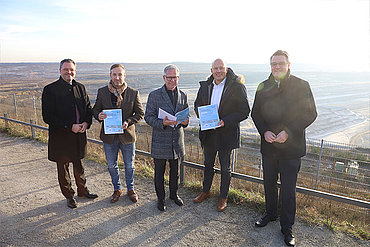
{"x": 102, "y": 116}
{"x": 76, "y": 128}
{"x": 167, "y": 122}
{"x": 269, "y": 136}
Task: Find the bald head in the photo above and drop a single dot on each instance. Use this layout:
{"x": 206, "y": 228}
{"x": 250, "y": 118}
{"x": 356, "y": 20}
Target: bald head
{"x": 219, "y": 70}
{"x": 219, "y": 61}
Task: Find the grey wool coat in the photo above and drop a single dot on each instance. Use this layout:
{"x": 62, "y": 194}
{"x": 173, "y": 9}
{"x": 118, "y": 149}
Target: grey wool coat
{"x": 167, "y": 142}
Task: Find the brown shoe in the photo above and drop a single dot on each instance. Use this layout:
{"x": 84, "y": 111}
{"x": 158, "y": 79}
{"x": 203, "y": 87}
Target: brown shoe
{"x": 222, "y": 205}
{"x": 133, "y": 196}
{"x": 115, "y": 196}
{"x": 201, "y": 197}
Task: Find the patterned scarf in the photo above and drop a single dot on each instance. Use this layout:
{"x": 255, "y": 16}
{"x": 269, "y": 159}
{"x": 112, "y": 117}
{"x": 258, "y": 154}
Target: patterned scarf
{"x": 117, "y": 91}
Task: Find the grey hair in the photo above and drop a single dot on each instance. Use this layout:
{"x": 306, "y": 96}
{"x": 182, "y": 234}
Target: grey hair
{"x": 171, "y": 66}
{"x": 67, "y": 60}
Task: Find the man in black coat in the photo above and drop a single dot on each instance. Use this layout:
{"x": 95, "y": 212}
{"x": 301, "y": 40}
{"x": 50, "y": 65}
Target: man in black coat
{"x": 66, "y": 109}
{"x": 226, "y": 90}
{"x": 283, "y": 108}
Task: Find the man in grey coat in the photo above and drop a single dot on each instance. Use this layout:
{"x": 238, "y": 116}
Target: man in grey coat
{"x": 167, "y": 136}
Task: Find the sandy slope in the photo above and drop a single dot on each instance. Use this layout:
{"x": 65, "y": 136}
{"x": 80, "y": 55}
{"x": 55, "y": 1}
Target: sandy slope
{"x": 33, "y": 212}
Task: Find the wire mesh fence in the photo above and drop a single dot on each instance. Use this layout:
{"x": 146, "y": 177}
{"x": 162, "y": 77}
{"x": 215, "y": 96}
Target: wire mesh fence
{"x": 337, "y": 168}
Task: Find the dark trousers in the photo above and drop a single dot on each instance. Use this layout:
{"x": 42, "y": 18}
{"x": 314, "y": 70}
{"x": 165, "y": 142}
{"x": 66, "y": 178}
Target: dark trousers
{"x": 159, "y": 169}
{"x": 210, "y": 152}
{"x": 65, "y": 179}
{"x": 288, "y": 170}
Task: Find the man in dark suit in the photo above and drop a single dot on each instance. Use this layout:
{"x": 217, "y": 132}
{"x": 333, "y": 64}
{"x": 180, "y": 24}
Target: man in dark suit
{"x": 66, "y": 109}
{"x": 168, "y": 135}
{"x": 283, "y": 108}
{"x": 117, "y": 95}
{"x": 226, "y": 90}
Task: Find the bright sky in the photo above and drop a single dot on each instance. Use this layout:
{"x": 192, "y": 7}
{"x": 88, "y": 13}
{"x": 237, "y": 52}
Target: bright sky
{"x": 333, "y": 33}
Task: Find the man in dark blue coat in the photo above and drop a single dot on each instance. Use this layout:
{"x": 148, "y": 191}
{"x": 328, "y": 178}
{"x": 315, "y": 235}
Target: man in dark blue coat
{"x": 226, "y": 90}
{"x": 283, "y": 108}
{"x": 66, "y": 109}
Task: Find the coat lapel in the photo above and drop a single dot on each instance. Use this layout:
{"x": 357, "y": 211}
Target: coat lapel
{"x": 107, "y": 98}
{"x": 166, "y": 98}
{"x": 225, "y": 92}
{"x": 210, "y": 88}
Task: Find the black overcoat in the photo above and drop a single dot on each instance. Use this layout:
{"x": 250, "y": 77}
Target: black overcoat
{"x": 290, "y": 107}
{"x": 59, "y": 101}
{"x": 233, "y": 109}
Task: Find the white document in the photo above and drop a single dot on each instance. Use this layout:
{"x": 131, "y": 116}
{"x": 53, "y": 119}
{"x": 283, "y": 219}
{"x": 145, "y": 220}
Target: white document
{"x": 208, "y": 116}
{"x": 113, "y": 122}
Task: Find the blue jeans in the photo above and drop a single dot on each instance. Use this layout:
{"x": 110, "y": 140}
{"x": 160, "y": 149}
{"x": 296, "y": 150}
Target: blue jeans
{"x": 128, "y": 154}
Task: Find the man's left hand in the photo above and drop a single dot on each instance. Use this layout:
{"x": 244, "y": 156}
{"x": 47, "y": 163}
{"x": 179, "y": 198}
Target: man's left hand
{"x": 83, "y": 127}
{"x": 124, "y": 125}
{"x": 186, "y": 122}
{"x": 282, "y": 137}
{"x": 221, "y": 123}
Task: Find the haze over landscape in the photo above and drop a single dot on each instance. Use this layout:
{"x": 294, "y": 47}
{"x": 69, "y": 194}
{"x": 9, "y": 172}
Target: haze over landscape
{"x": 331, "y": 34}
{"x": 329, "y": 44}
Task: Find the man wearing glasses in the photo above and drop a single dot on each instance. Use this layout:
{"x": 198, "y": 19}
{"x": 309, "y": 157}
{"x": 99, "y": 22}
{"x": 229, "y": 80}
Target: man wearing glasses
{"x": 66, "y": 109}
{"x": 283, "y": 108}
{"x": 226, "y": 90}
{"x": 168, "y": 135}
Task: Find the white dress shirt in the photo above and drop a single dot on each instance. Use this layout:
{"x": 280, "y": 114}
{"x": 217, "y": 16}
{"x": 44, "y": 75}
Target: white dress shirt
{"x": 217, "y": 93}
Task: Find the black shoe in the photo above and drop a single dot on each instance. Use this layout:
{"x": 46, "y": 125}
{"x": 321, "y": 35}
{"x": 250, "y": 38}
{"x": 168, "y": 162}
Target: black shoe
{"x": 289, "y": 238}
{"x": 264, "y": 221}
{"x": 177, "y": 200}
{"x": 88, "y": 195}
{"x": 71, "y": 203}
{"x": 161, "y": 205}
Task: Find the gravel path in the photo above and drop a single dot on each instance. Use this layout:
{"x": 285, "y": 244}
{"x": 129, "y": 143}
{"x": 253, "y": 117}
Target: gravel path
{"x": 33, "y": 212}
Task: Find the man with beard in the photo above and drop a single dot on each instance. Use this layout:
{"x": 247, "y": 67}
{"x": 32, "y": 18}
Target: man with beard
{"x": 118, "y": 95}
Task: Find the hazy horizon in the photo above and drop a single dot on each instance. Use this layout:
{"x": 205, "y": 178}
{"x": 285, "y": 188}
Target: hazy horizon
{"x": 332, "y": 34}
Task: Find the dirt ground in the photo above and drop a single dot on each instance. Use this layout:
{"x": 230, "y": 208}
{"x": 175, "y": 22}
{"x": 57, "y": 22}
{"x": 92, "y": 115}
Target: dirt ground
{"x": 33, "y": 212}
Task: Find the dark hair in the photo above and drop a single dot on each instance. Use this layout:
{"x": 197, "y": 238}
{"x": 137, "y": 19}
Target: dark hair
{"x": 117, "y": 65}
{"x": 67, "y": 60}
{"x": 281, "y": 53}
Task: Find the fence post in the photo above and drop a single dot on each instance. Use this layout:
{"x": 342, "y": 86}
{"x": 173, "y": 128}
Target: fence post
{"x": 6, "y": 120}
{"x": 34, "y": 108}
{"x": 319, "y": 162}
{"x": 233, "y": 160}
{"x": 15, "y": 105}
{"x": 260, "y": 168}
{"x": 182, "y": 172}
{"x": 32, "y": 129}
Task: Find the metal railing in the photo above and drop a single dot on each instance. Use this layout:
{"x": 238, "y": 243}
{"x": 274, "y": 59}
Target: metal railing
{"x": 254, "y": 179}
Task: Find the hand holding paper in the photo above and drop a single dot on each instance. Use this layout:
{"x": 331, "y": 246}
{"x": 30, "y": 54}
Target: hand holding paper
{"x": 167, "y": 122}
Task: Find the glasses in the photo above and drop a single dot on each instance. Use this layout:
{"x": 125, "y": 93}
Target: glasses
{"x": 172, "y": 78}
{"x": 281, "y": 64}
